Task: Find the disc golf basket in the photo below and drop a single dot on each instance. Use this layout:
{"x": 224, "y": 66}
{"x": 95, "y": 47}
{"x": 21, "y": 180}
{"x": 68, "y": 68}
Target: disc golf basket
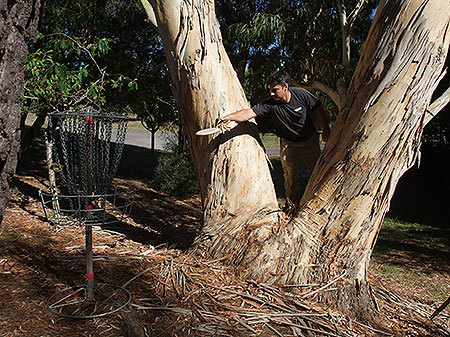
{"x": 87, "y": 147}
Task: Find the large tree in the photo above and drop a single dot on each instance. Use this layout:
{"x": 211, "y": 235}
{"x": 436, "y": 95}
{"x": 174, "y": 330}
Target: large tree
{"x": 375, "y": 139}
{"x": 18, "y": 21}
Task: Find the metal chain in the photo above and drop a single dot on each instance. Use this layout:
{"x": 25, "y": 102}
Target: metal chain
{"x": 119, "y": 143}
{"x": 82, "y": 149}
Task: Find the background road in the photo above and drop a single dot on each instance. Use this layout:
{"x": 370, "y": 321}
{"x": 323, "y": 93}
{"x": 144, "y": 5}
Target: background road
{"x": 164, "y": 140}
{"x": 142, "y": 138}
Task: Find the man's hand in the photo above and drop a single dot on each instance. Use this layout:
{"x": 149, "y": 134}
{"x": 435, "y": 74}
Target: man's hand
{"x": 226, "y": 122}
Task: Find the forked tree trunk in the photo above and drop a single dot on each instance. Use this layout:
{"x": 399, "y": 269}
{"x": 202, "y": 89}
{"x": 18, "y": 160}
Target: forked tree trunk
{"x": 375, "y": 139}
{"x": 18, "y": 20}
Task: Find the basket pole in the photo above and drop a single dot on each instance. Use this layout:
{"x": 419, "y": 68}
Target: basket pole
{"x": 90, "y": 283}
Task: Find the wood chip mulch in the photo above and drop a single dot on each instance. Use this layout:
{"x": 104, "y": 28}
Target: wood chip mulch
{"x": 173, "y": 293}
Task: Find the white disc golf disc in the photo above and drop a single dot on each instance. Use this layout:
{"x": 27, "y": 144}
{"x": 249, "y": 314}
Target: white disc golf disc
{"x": 208, "y": 131}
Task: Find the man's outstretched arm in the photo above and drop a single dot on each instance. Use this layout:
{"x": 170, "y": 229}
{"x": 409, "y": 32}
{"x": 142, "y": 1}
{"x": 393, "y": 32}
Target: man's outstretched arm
{"x": 238, "y": 116}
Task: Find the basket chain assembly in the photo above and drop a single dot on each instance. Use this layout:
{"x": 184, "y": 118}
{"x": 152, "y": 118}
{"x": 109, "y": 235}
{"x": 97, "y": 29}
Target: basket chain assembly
{"x": 87, "y": 148}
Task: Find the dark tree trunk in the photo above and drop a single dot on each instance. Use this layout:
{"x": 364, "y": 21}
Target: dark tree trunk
{"x": 18, "y": 23}
{"x": 152, "y": 142}
{"x": 152, "y": 139}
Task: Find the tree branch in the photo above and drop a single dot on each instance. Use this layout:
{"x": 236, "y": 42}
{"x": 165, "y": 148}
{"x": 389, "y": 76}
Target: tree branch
{"x": 342, "y": 10}
{"x": 437, "y": 106}
{"x": 150, "y": 12}
{"x": 86, "y": 50}
{"x": 325, "y": 89}
{"x": 345, "y": 32}
{"x": 346, "y": 28}
{"x": 354, "y": 14}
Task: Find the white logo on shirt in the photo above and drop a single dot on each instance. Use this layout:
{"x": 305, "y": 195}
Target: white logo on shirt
{"x": 298, "y": 109}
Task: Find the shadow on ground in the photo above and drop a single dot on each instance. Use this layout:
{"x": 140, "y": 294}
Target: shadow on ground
{"x": 421, "y": 196}
{"x": 162, "y": 219}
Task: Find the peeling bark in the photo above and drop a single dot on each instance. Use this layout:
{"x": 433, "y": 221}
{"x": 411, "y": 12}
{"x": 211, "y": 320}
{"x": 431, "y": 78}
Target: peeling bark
{"x": 439, "y": 104}
{"x": 375, "y": 139}
{"x": 150, "y": 12}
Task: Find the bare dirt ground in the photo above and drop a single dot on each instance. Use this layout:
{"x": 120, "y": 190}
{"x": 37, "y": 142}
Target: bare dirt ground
{"x": 175, "y": 293}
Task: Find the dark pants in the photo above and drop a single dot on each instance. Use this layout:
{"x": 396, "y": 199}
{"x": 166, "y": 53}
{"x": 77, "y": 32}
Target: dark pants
{"x": 291, "y": 155}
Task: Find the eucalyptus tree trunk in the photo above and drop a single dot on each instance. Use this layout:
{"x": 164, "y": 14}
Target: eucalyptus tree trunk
{"x": 232, "y": 169}
{"x": 375, "y": 139}
{"x": 18, "y": 21}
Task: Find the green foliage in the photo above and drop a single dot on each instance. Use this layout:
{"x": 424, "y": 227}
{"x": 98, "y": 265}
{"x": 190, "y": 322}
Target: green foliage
{"x": 155, "y": 113}
{"x": 101, "y": 54}
{"x": 136, "y": 53}
{"x": 262, "y": 26}
{"x": 175, "y": 174}
{"x": 155, "y": 105}
{"x": 303, "y": 37}
{"x": 57, "y": 77}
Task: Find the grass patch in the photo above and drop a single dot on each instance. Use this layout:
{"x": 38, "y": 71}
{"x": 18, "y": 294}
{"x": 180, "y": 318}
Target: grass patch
{"x": 411, "y": 281}
{"x": 270, "y": 140}
{"x": 439, "y": 291}
{"x": 412, "y": 232}
{"x": 413, "y": 256}
{"x": 415, "y": 238}
{"x": 389, "y": 270}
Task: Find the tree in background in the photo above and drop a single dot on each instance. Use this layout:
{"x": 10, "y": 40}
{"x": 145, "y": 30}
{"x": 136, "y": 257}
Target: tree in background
{"x": 61, "y": 74}
{"x": 319, "y": 43}
{"x": 249, "y": 34}
{"x": 156, "y": 113}
{"x": 93, "y": 53}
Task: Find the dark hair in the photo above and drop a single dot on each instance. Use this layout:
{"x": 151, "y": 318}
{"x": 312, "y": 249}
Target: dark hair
{"x": 280, "y": 77}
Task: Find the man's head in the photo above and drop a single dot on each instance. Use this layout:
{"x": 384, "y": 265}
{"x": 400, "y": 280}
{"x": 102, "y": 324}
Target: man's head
{"x": 278, "y": 83}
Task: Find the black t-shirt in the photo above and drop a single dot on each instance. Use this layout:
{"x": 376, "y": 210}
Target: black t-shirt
{"x": 293, "y": 119}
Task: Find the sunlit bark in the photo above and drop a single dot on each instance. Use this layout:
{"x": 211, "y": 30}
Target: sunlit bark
{"x": 375, "y": 139}
{"x": 233, "y": 172}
